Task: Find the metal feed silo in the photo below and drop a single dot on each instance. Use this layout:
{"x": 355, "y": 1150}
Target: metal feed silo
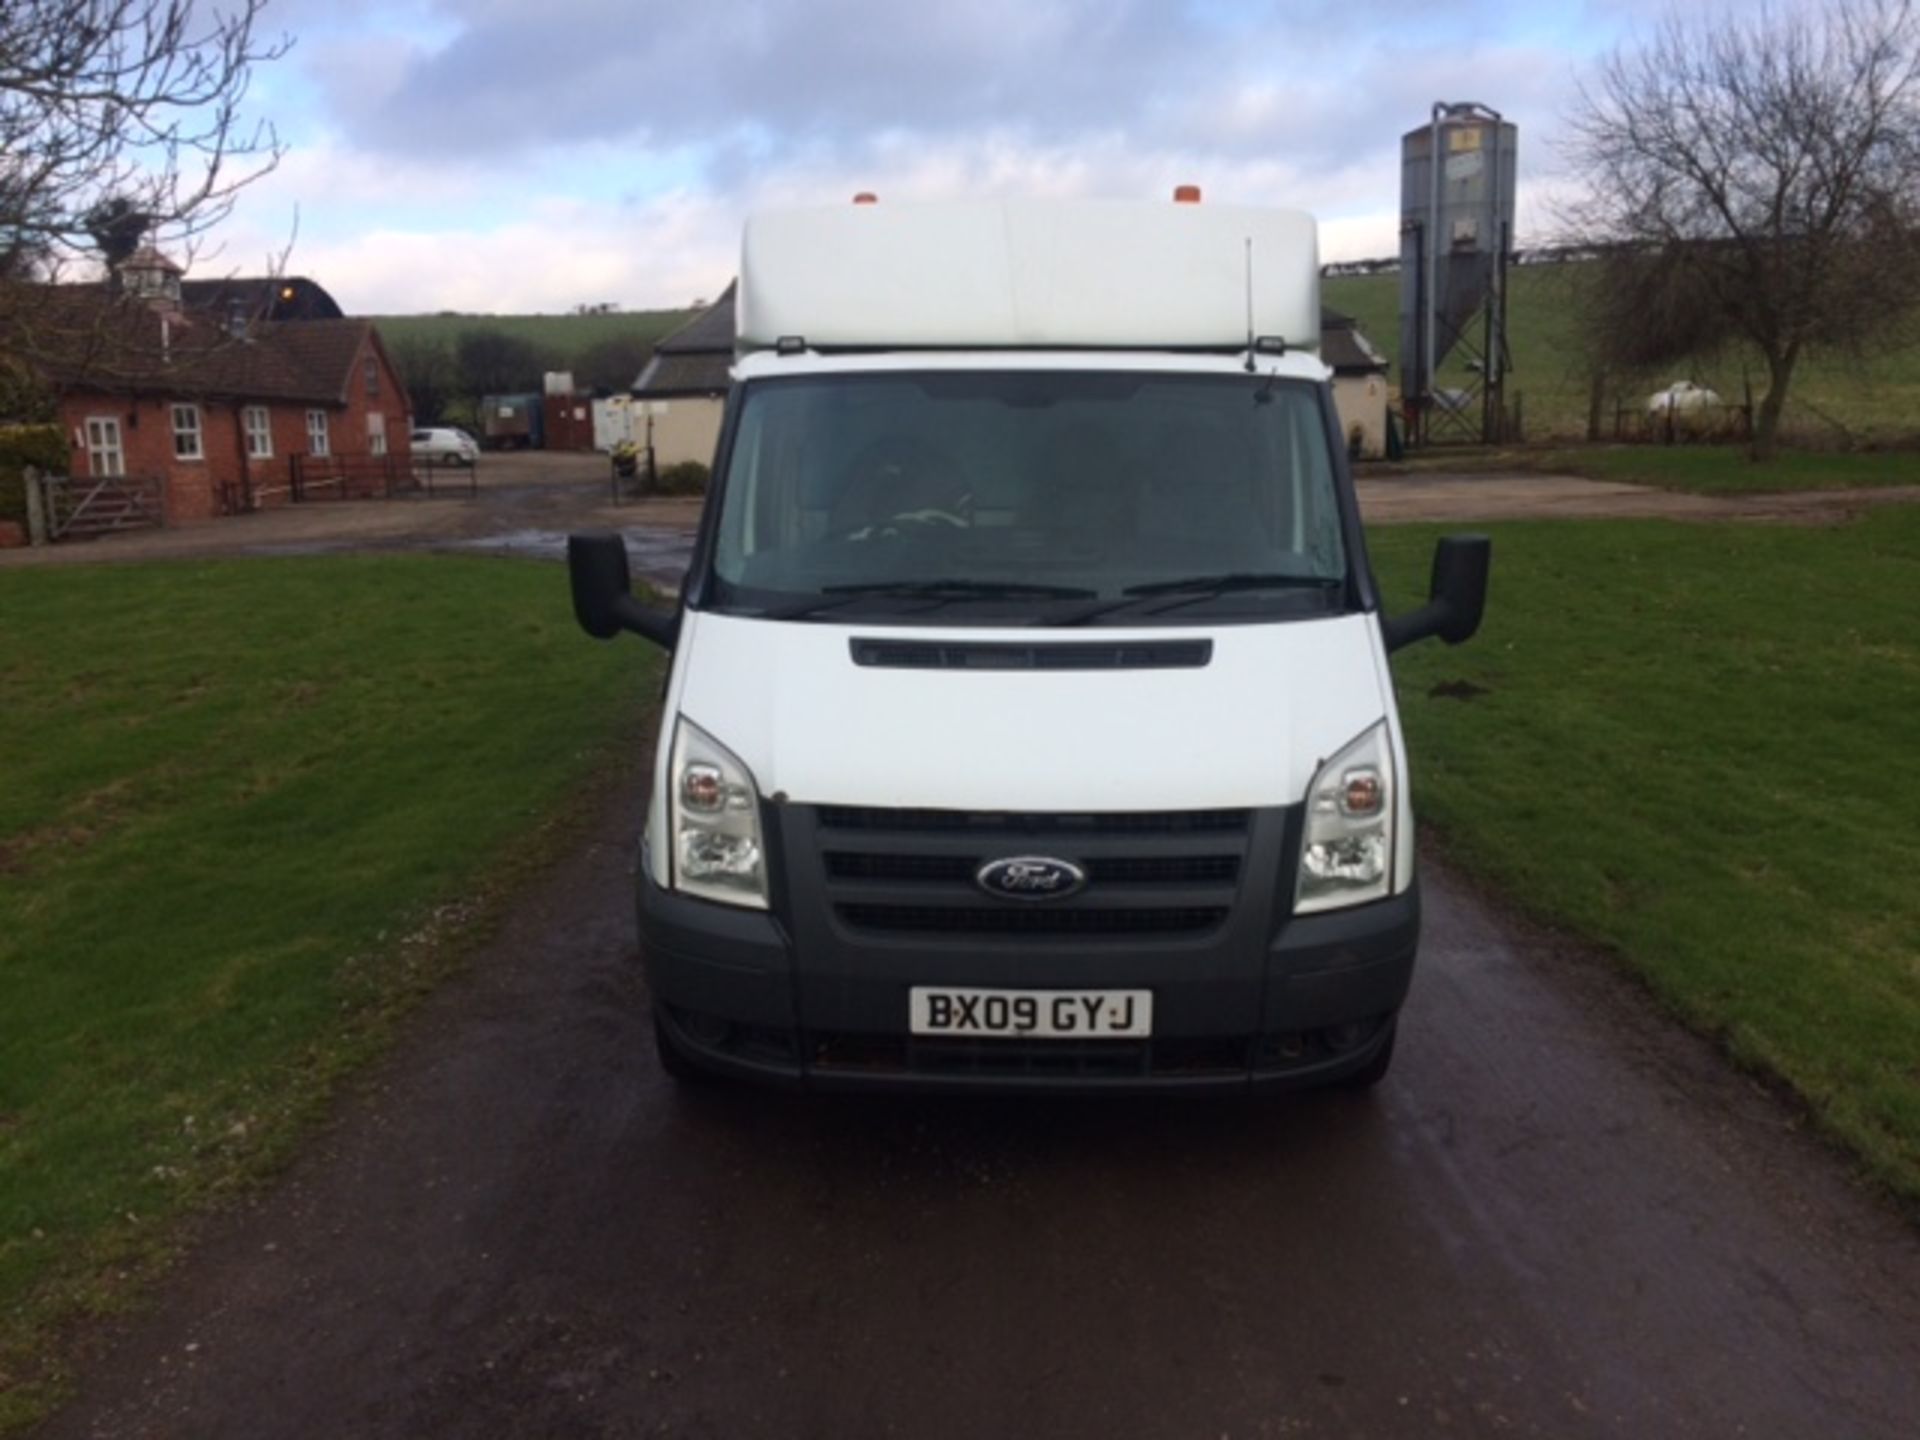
{"x": 1456, "y": 236}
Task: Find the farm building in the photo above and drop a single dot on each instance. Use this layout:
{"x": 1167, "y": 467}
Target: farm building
{"x": 684, "y": 386}
{"x": 217, "y": 407}
{"x": 683, "y": 390}
{"x": 1359, "y": 383}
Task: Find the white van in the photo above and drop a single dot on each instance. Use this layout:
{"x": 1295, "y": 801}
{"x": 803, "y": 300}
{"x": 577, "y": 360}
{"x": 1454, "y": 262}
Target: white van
{"x": 1029, "y": 722}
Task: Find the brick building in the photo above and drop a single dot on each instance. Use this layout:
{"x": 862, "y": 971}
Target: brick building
{"x": 229, "y": 408}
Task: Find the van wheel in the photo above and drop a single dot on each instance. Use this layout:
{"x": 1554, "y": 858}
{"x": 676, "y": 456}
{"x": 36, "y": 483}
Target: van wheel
{"x": 1375, "y": 1069}
{"x": 672, "y": 1060}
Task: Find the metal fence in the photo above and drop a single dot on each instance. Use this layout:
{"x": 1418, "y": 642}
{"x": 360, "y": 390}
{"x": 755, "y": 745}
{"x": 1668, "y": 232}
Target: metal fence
{"x": 369, "y": 477}
{"x": 632, "y": 472}
{"x": 1682, "y": 425}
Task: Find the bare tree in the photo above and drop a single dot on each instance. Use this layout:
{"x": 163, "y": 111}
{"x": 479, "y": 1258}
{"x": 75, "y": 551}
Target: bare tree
{"x": 1752, "y": 176}
{"x": 120, "y": 120}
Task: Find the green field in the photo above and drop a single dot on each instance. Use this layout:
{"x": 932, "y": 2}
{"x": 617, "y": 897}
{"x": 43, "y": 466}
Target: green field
{"x": 1835, "y": 399}
{"x": 564, "y": 336}
{"x": 238, "y": 799}
{"x": 1698, "y": 469}
{"x": 1693, "y": 745}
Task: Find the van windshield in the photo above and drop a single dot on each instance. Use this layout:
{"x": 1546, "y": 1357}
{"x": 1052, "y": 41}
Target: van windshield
{"x": 1029, "y": 497}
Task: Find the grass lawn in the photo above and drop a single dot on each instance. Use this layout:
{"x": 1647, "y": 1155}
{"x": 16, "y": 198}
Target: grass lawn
{"x": 1696, "y": 747}
{"x": 1701, "y": 469}
{"x": 239, "y": 799}
{"x": 1833, "y": 397}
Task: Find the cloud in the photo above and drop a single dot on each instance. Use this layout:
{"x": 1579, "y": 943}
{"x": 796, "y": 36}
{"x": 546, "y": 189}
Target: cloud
{"x": 787, "y": 76}
{"x": 551, "y": 253}
{"x": 512, "y": 154}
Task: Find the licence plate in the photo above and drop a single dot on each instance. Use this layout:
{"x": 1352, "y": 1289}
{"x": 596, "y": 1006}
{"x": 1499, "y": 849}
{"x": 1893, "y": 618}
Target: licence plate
{"x": 1031, "y": 1014}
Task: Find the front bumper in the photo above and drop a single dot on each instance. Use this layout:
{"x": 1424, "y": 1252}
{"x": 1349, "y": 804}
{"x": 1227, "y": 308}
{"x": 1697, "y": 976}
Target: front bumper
{"x": 1310, "y": 1004}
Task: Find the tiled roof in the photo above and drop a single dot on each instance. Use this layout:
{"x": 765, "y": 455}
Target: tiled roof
{"x": 148, "y": 258}
{"x": 711, "y": 331}
{"x": 262, "y": 297}
{"x": 1344, "y": 347}
{"x": 80, "y": 339}
{"x": 321, "y": 351}
{"x": 696, "y": 374}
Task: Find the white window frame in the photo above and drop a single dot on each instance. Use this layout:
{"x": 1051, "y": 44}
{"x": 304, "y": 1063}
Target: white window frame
{"x": 376, "y": 433}
{"x": 256, "y": 421}
{"x": 106, "y": 453}
{"x": 194, "y": 432}
{"x": 319, "y": 438}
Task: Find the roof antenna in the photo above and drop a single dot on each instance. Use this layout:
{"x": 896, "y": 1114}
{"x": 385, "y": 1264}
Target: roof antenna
{"x": 1250, "y": 340}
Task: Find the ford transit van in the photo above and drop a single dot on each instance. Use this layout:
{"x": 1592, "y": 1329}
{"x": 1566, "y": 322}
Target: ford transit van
{"x": 1029, "y": 722}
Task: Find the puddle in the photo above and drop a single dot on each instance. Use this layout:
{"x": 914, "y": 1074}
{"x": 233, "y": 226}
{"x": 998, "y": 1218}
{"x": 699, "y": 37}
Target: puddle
{"x": 653, "y": 553}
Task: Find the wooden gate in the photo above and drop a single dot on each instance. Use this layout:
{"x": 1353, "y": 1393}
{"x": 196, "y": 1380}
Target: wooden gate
{"x": 79, "y": 506}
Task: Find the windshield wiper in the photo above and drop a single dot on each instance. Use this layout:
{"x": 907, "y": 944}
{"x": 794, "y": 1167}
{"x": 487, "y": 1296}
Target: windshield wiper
{"x": 1233, "y": 580}
{"x": 937, "y": 591}
{"x": 1191, "y": 589}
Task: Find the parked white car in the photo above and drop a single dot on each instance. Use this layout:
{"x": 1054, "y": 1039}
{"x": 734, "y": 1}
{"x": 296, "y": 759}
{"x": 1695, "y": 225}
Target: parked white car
{"x": 444, "y": 446}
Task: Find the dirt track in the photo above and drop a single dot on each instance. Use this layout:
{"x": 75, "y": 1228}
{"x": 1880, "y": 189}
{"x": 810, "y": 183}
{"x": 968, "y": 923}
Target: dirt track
{"x": 1557, "y": 1218}
{"x": 1392, "y": 499}
{"x": 519, "y": 504}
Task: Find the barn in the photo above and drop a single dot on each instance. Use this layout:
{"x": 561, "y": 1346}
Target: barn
{"x": 683, "y": 390}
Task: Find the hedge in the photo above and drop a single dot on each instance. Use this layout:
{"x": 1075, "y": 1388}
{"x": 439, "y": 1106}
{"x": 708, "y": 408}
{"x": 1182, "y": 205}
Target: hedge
{"x": 44, "y": 446}
{"x": 687, "y": 477}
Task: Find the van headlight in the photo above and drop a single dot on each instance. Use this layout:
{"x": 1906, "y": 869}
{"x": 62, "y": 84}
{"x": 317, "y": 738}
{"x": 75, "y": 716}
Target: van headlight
{"x": 713, "y": 812}
{"x": 1346, "y": 852}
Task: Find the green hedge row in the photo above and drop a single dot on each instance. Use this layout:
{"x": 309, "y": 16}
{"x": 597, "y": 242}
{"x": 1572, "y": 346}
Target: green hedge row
{"x": 42, "y": 446}
{"x": 688, "y": 477}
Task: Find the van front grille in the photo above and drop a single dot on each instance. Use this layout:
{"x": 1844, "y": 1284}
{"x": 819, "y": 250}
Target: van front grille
{"x": 911, "y": 873}
{"x": 1030, "y": 919}
{"x": 1122, "y": 870}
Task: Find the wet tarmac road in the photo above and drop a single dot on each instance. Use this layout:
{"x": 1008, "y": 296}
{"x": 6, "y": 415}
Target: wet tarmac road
{"x": 1556, "y": 1218}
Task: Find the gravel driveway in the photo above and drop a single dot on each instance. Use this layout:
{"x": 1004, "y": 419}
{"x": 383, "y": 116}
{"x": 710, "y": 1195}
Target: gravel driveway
{"x": 526, "y": 505}
{"x": 522, "y": 504}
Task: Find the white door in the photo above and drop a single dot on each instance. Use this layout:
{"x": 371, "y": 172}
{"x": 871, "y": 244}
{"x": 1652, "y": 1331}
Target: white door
{"x": 104, "y": 454}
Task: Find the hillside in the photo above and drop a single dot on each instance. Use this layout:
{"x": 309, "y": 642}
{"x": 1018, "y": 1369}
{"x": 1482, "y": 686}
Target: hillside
{"x": 564, "y": 334}
{"x": 1833, "y": 397}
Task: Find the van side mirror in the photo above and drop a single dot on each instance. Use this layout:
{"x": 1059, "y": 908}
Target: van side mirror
{"x": 603, "y": 598}
{"x": 1457, "y": 595}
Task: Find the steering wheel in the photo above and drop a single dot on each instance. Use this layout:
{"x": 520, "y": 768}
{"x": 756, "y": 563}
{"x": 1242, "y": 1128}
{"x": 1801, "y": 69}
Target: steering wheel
{"x": 898, "y": 481}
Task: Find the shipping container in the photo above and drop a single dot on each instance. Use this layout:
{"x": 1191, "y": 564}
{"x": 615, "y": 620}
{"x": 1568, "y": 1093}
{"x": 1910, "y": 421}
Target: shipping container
{"x": 511, "y": 422}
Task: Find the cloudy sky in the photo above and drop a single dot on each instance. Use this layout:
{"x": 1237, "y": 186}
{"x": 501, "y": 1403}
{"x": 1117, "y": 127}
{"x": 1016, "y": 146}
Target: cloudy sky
{"x": 514, "y": 155}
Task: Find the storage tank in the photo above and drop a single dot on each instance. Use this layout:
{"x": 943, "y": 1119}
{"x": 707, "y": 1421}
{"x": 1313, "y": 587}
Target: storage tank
{"x": 1456, "y": 236}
